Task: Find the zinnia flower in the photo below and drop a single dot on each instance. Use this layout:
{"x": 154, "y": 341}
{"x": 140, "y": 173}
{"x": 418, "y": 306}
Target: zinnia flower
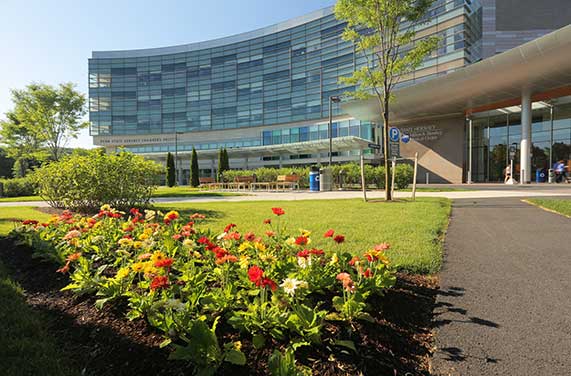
{"x": 229, "y": 227}
{"x": 382, "y": 247}
{"x": 249, "y": 236}
{"x": 122, "y": 273}
{"x": 171, "y": 216}
{"x": 159, "y": 282}
{"x": 278, "y": 211}
{"x": 290, "y": 285}
{"x": 329, "y": 233}
{"x": 255, "y": 274}
{"x": 197, "y": 216}
{"x": 339, "y": 239}
{"x": 301, "y": 240}
{"x": 164, "y": 262}
{"x": 271, "y": 284}
{"x": 270, "y": 234}
{"x": 267, "y": 221}
{"x": 73, "y": 257}
{"x": 30, "y": 222}
{"x": 72, "y": 234}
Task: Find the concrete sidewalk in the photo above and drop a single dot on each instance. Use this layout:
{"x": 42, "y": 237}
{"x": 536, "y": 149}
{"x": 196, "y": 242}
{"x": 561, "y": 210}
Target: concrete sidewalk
{"x": 505, "y": 302}
{"x": 474, "y": 192}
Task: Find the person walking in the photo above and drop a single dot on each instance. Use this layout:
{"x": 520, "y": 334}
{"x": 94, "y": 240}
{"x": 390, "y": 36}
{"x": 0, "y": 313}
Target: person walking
{"x": 559, "y": 169}
{"x": 507, "y": 174}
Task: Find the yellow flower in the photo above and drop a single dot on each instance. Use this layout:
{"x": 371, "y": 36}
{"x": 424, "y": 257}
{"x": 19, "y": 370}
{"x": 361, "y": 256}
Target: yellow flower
{"x": 138, "y": 267}
{"x": 137, "y": 244}
{"x": 244, "y": 246}
{"x": 305, "y": 233}
{"x": 334, "y": 259}
{"x": 149, "y": 268}
{"x": 267, "y": 257}
{"x": 260, "y": 247}
{"x": 244, "y": 262}
{"x": 122, "y": 273}
{"x": 197, "y": 254}
{"x": 125, "y": 242}
{"x": 188, "y": 243}
{"x": 157, "y": 256}
{"x": 290, "y": 241}
{"x": 237, "y": 345}
{"x": 105, "y": 207}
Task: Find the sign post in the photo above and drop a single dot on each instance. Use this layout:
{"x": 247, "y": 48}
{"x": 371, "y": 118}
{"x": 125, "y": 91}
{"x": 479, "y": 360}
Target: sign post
{"x": 512, "y": 151}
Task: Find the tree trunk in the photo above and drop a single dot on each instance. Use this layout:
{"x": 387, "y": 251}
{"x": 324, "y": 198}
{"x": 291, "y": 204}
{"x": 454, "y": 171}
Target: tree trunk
{"x": 388, "y": 188}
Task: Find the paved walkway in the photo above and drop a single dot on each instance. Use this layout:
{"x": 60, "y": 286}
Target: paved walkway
{"x": 505, "y": 301}
{"x": 472, "y": 191}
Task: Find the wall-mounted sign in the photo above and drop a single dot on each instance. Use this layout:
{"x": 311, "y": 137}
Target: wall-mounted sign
{"x": 394, "y": 134}
{"x": 423, "y": 133}
{"x": 405, "y": 138}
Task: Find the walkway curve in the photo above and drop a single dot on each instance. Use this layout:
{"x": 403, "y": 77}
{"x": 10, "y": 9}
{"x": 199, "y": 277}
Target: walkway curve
{"x": 504, "y": 307}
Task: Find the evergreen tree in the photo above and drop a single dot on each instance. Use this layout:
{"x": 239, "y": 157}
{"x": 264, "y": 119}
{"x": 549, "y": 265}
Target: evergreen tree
{"x": 226, "y": 160}
{"x": 194, "y": 180}
{"x": 220, "y": 164}
{"x": 170, "y": 171}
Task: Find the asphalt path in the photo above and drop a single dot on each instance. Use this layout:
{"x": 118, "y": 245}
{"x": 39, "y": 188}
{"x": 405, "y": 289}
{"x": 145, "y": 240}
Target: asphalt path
{"x": 505, "y": 302}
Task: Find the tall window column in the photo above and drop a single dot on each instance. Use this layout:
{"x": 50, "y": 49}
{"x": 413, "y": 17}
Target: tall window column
{"x": 525, "y": 146}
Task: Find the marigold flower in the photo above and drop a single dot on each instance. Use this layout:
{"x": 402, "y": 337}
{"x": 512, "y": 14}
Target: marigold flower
{"x": 164, "y": 263}
{"x": 278, "y": 211}
{"x": 339, "y": 239}
{"x": 329, "y": 233}
{"x": 159, "y": 282}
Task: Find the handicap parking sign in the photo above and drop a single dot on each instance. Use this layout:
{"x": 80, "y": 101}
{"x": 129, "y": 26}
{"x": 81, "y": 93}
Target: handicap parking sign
{"x": 405, "y": 138}
{"x": 394, "y": 134}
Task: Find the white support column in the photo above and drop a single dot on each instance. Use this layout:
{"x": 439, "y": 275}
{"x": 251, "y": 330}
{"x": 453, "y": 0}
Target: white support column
{"x": 470, "y": 141}
{"x": 525, "y": 146}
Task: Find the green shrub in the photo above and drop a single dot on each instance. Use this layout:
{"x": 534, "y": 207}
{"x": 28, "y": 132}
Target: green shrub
{"x": 86, "y": 182}
{"x": 18, "y": 187}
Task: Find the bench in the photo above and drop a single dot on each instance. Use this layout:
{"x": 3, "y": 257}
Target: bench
{"x": 287, "y": 181}
{"x": 207, "y": 183}
{"x": 242, "y": 182}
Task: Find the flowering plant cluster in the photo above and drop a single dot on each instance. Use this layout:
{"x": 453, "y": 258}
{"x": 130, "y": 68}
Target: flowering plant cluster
{"x": 183, "y": 277}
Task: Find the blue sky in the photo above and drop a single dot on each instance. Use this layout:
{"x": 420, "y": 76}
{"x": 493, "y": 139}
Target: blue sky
{"x": 50, "y": 41}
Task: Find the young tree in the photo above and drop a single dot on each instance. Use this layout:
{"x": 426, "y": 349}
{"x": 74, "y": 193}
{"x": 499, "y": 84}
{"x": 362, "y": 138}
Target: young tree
{"x": 194, "y": 172}
{"x": 221, "y": 164}
{"x": 170, "y": 170}
{"x": 383, "y": 31}
{"x": 49, "y": 115}
{"x": 226, "y": 160}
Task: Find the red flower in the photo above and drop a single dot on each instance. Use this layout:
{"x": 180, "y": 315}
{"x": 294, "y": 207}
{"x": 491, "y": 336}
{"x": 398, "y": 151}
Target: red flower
{"x": 368, "y": 273}
{"x": 270, "y": 234}
{"x": 203, "y": 240}
{"x": 267, "y": 221}
{"x": 255, "y": 273}
{"x": 304, "y": 253}
{"x": 135, "y": 212}
{"x": 63, "y": 269}
{"x": 219, "y": 252}
{"x": 229, "y": 227}
{"x": 249, "y": 236}
{"x": 278, "y": 211}
{"x": 232, "y": 236}
{"x": 164, "y": 263}
{"x": 317, "y": 252}
{"x": 339, "y": 239}
{"x": 30, "y": 222}
{"x": 301, "y": 240}
{"x": 271, "y": 284}
{"x": 159, "y": 282}
{"x": 329, "y": 233}
{"x": 354, "y": 260}
{"x": 177, "y": 236}
{"x": 227, "y": 258}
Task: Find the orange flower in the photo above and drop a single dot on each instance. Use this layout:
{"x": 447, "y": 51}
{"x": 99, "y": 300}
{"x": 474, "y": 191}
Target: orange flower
{"x": 164, "y": 263}
{"x": 159, "y": 282}
{"x": 278, "y": 211}
{"x": 226, "y": 258}
{"x": 144, "y": 256}
{"x": 63, "y": 269}
{"x": 74, "y": 256}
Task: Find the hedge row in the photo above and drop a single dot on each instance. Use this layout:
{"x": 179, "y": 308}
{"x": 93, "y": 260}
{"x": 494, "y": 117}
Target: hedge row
{"x": 351, "y": 174}
{"x": 18, "y": 187}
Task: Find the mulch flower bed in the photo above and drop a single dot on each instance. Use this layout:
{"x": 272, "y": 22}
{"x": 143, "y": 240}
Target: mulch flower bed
{"x": 104, "y": 342}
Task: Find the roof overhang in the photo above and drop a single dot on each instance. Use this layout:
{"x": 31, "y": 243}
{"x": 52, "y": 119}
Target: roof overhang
{"x": 540, "y": 66}
{"x": 346, "y": 143}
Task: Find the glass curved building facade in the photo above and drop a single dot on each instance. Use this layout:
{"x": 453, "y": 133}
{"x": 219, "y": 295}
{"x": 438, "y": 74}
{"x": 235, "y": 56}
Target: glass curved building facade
{"x": 265, "y": 87}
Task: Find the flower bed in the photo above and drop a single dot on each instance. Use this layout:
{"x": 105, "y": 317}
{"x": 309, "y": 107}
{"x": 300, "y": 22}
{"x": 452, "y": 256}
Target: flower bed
{"x": 187, "y": 280}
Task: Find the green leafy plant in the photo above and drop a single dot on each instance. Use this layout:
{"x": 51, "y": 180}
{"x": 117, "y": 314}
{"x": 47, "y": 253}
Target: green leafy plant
{"x": 285, "y": 364}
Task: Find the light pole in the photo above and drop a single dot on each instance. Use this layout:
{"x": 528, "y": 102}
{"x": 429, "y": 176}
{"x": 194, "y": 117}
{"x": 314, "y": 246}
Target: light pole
{"x": 336, "y": 99}
{"x": 178, "y": 180}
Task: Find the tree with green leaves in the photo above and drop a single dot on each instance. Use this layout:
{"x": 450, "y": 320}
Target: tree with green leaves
{"x": 171, "y": 174}
{"x": 43, "y": 120}
{"x": 194, "y": 172}
{"x": 226, "y": 160}
{"x": 220, "y": 164}
{"x": 383, "y": 32}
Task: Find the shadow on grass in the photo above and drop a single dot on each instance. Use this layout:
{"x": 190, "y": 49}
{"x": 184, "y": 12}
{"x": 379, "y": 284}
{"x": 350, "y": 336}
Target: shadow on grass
{"x": 210, "y": 215}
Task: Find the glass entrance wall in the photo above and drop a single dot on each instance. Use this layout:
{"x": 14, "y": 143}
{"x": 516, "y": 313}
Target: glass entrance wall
{"x": 495, "y": 131}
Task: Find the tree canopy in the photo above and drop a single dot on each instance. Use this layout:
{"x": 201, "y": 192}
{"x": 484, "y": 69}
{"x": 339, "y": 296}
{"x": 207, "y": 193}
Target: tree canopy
{"x": 384, "y": 33}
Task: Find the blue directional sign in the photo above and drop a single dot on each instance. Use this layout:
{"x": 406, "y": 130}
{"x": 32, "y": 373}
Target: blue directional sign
{"x": 405, "y": 138}
{"x": 394, "y": 134}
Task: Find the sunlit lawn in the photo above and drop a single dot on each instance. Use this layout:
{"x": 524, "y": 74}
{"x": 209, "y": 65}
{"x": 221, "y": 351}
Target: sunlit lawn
{"x": 561, "y": 206}
{"x": 414, "y": 229}
{"x": 17, "y": 213}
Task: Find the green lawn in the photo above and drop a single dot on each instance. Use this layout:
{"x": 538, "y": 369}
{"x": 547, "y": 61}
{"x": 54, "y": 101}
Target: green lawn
{"x": 414, "y": 229}
{"x": 183, "y": 191}
{"x": 23, "y": 335}
{"x": 560, "y": 206}
{"x": 9, "y": 214}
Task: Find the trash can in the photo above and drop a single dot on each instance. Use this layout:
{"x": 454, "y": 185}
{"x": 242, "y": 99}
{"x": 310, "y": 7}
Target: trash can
{"x": 314, "y": 179}
{"x": 551, "y": 178}
{"x": 325, "y": 180}
{"x": 540, "y": 175}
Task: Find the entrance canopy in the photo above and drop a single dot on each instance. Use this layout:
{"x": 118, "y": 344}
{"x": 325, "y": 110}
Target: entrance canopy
{"x": 542, "y": 66}
{"x": 346, "y": 143}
